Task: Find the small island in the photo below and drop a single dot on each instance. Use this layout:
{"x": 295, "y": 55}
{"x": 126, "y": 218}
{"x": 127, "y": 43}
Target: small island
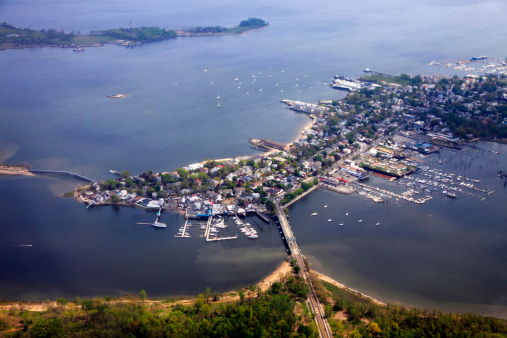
{"x": 12, "y": 37}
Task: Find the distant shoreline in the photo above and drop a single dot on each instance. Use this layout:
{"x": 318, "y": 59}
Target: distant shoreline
{"x": 120, "y": 37}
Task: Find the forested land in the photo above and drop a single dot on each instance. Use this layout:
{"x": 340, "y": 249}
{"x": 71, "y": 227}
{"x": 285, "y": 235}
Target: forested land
{"x": 26, "y": 36}
{"x": 280, "y": 311}
{"x": 12, "y": 37}
{"x": 245, "y": 25}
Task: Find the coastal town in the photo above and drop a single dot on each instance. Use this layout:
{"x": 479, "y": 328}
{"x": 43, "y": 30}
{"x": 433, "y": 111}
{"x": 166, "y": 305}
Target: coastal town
{"x": 386, "y": 126}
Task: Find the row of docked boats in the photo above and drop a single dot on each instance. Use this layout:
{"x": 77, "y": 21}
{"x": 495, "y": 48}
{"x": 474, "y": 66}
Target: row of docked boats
{"x": 246, "y": 228}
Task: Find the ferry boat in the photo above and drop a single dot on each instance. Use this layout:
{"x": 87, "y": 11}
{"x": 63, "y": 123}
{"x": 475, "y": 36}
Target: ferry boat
{"x": 159, "y": 225}
{"x": 346, "y": 84}
{"x": 118, "y": 96}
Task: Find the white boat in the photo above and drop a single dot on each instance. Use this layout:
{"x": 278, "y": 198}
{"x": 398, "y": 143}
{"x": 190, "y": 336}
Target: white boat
{"x": 340, "y": 224}
{"x": 377, "y": 224}
{"x": 325, "y": 206}
{"x": 314, "y": 214}
{"x": 253, "y": 236}
{"x": 347, "y": 214}
{"x": 329, "y": 220}
{"x": 118, "y": 96}
{"x": 159, "y": 225}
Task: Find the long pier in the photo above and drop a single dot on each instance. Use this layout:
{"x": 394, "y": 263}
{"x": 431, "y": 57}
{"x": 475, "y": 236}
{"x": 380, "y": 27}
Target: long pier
{"x": 62, "y": 173}
{"x": 182, "y": 234}
{"x": 318, "y": 310}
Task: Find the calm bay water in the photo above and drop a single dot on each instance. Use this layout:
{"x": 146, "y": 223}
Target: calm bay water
{"x": 445, "y": 254}
{"x": 54, "y": 114}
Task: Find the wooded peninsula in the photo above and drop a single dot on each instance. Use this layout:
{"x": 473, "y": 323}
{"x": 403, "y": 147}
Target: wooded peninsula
{"x": 12, "y": 37}
{"x": 278, "y": 309}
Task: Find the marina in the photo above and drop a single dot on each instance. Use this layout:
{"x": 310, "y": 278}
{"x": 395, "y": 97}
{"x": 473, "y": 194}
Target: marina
{"x": 182, "y": 232}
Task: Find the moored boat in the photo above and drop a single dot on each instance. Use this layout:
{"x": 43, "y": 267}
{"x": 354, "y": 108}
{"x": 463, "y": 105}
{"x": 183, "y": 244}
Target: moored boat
{"x": 158, "y": 225}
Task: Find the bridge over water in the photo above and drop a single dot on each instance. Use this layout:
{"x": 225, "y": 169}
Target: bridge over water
{"x": 317, "y": 308}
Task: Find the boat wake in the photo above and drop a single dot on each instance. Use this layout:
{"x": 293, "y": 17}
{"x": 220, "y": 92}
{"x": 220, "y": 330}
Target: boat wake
{"x": 16, "y": 245}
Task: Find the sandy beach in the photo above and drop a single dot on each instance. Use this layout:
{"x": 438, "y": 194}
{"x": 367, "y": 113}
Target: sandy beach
{"x": 341, "y": 286}
{"x": 275, "y": 276}
{"x": 264, "y": 284}
{"x": 14, "y": 170}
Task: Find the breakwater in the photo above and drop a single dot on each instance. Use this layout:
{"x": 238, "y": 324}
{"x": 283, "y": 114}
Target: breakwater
{"x": 301, "y": 196}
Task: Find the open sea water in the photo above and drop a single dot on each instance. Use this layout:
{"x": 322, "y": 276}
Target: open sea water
{"x": 54, "y": 114}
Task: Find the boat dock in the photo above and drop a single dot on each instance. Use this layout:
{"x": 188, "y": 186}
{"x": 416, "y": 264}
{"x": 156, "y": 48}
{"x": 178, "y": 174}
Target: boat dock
{"x": 156, "y": 223}
{"x": 183, "y": 234}
{"x": 377, "y": 194}
{"x": 215, "y": 238}
{"x": 246, "y": 228}
{"x": 221, "y": 238}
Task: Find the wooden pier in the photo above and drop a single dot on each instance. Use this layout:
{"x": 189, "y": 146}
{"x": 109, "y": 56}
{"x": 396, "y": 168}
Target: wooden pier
{"x": 214, "y": 239}
{"x": 182, "y": 234}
